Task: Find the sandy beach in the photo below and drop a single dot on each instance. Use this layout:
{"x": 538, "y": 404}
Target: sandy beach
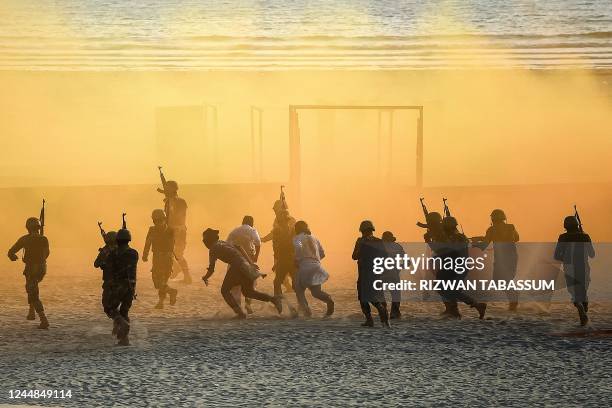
{"x": 195, "y": 355}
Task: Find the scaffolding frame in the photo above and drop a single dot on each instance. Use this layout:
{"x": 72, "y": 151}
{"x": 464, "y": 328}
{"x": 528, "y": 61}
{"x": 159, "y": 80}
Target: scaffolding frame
{"x": 295, "y": 167}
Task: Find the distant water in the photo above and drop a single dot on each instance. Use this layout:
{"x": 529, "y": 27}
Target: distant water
{"x": 303, "y": 34}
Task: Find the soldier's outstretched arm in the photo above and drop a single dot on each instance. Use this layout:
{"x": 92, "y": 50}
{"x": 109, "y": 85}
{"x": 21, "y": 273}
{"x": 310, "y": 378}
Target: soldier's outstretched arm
{"x": 46, "y": 251}
{"x": 267, "y": 237}
{"x": 17, "y": 246}
{"x": 147, "y": 247}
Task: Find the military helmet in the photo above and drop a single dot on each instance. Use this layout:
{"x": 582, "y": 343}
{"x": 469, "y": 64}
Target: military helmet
{"x": 32, "y": 224}
{"x": 366, "y": 226}
{"x": 433, "y": 218}
{"x": 123, "y": 235}
{"x": 570, "y": 223}
{"x": 158, "y": 214}
{"x": 110, "y": 238}
{"x": 387, "y": 236}
{"x": 498, "y": 215}
{"x": 449, "y": 222}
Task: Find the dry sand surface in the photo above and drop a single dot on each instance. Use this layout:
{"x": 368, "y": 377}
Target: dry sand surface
{"x": 194, "y": 355}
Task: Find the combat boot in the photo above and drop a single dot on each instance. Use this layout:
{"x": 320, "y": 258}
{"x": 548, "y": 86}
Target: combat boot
{"x": 584, "y": 319}
{"x": 448, "y": 310}
{"x": 585, "y": 305}
{"x": 123, "y": 327}
{"x": 124, "y": 341}
{"x": 239, "y": 314}
{"x": 44, "y": 323}
{"x": 277, "y": 301}
{"x": 368, "y": 322}
{"x": 481, "y": 308}
{"x": 247, "y": 306}
{"x": 172, "y": 292}
{"x": 31, "y": 314}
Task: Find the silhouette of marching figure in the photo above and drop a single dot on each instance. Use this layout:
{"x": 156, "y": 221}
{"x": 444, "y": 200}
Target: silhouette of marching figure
{"x": 454, "y": 246}
{"x": 101, "y": 262}
{"x": 368, "y": 247}
{"x": 574, "y": 248}
{"x": 175, "y": 209}
{"x": 241, "y": 271}
{"x": 121, "y": 263}
{"x": 505, "y": 256}
{"x": 393, "y": 276}
{"x": 36, "y": 251}
{"x": 246, "y": 237}
{"x": 310, "y": 274}
{"x": 281, "y": 236}
{"x": 160, "y": 239}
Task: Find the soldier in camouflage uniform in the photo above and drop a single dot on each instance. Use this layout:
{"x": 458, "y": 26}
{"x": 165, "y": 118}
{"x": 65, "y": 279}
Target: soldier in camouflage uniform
{"x": 36, "y": 252}
{"x": 161, "y": 239}
{"x": 122, "y": 263}
{"x": 110, "y": 241}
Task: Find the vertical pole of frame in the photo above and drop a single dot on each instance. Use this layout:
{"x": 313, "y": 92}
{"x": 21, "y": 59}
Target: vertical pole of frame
{"x": 253, "y": 172}
{"x": 378, "y": 146}
{"x": 260, "y": 145}
{"x": 419, "y": 150}
{"x": 294, "y": 155}
{"x": 390, "y": 148}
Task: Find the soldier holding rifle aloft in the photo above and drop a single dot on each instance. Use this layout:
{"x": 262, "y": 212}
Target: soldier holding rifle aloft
{"x": 176, "y": 214}
{"x": 574, "y": 248}
{"x": 110, "y": 244}
{"x": 35, "y": 253}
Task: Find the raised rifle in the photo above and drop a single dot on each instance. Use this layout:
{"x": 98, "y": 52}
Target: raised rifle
{"x": 123, "y": 223}
{"x": 163, "y": 180}
{"x": 102, "y": 232}
{"x": 41, "y": 218}
{"x": 578, "y": 219}
{"x": 425, "y": 212}
{"x": 447, "y": 212}
{"x": 282, "y": 197}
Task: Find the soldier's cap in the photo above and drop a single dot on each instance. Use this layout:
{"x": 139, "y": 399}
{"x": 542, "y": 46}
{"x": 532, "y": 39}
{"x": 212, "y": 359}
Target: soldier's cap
{"x": 450, "y": 222}
{"x": 171, "y": 187}
{"x": 210, "y": 235}
{"x": 388, "y": 236}
{"x": 110, "y": 237}
{"x": 498, "y": 214}
{"x": 32, "y": 223}
{"x": 570, "y": 222}
{"x": 366, "y": 226}
{"x": 124, "y": 235}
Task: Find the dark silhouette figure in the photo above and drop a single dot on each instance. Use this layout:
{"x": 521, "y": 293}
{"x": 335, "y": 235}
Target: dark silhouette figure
{"x": 36, "y": 252}
{"x": 282, "y": 243}
{"x": 574, "y": 248}
{"x": 455, "y": 246}
{"x": 121, "y": 262}
{"x": 101, "y": 262}
{"x": 160, "y": 239}
{"x": 505, "y": 255}
{"x": 434, "y": 236}
{"x": 393, "y": 276}
{"x": 310, "y": 274}
{"x": 366, "y": 249}
{"x": 241, "y": 271}
{"x": 176, "y": 212}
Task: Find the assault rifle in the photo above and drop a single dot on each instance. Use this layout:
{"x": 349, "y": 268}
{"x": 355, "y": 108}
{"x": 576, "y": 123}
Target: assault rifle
{"x": 163, "y": 180}
{"x": 41, "y": 218}
{"x": 447, "y": 212}
{"x": 578, "y": 219}
{"x": 425, "y": 213}
{"x": 123, "y": 223}
{"x": 102, "y": 232}
{"x": 282, "y": 197}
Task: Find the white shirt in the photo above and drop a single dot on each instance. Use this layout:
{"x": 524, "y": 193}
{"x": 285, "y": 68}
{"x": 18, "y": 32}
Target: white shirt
{"x": 246, "y": 237}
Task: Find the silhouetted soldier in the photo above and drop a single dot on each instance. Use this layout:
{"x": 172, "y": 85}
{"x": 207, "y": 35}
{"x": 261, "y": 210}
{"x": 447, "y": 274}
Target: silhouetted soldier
{"x": 122, "y": 263}
{"x": 574, "y": 248}
{"x": 160, "y": 239}
{"x": 455, "y": 246}
{"x": 366, "y": 249}
{"x": 434, "y": 236}
{"x": 505, "y": 256}
{"x": 310, "y": 274}
{"x": 281, "y": 236}
{"x": 36, "y": 252}
{"x": 110, "y": 244}
{"x": 241, "y": 271}
{"x": 176, "y": 208}
{"x": 393, "y": 276}
{"x": 246, "y": 237}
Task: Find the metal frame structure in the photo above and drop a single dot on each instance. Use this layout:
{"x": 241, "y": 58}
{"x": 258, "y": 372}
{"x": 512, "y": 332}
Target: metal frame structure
{"x": 294, "y": 138}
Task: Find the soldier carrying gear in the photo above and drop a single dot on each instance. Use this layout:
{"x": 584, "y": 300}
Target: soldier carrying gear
{"x": 175, "y": 209}
{"x": 574, "y": 248}
{"x": 36, "y": 252}
{"x": 393, "y": 275}
{"x": 241, "y": 271}
{"x": 121, "y": 262}
{"x": 505, "y": 255}
{"x": 283, "y": 231}
{"x": 161, "y": 239}
{"x": 110, "y": 240}
{"x": 455, "y": 246}
{"x": 368, "y": 247}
